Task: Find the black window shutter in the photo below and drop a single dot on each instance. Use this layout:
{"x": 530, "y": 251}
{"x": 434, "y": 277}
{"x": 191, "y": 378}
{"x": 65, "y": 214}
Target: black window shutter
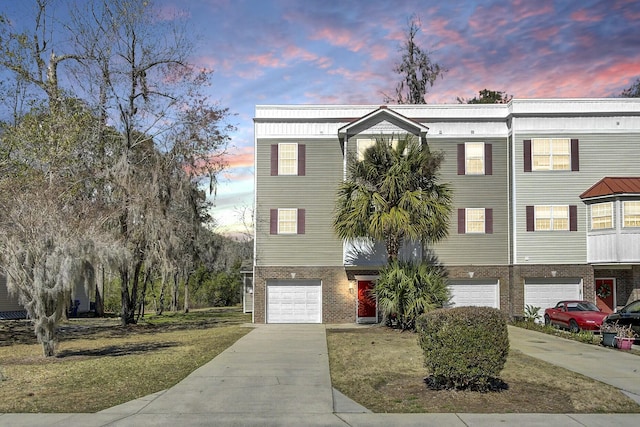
{"x": 461, "y": 159}
{"x": 527, "y": 155}
{"x": 301, "y": 218}
{"x": 531, "y": 220}
{"x": 488, "y": 160}
{"x": 488, "y": 221}
{"x": 273, "y": 221}
{"x": 462, "y": 225}
{"x": 575, "y": 155}
{"x": 573, "y": 218}
{"x": 302, "y": 161}
{"x": 274, "y": 159}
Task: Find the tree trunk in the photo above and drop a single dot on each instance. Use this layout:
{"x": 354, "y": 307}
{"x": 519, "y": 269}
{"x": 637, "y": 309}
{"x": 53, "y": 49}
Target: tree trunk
{"x": 46, "y": 333}
{"x": 99, "y": 307}
{"x": 174, "y": 293}
{"x": 160, "y": 307}
{"x": 186, "y": 295}
{"x": 393, "y": 247}
{"x": 124, "y": 293}
{"x": 129, "y": 300}
{"x": 143, "y": 295}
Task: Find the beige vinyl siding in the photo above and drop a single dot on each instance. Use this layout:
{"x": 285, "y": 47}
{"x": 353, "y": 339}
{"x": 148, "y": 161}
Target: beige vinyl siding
{"x": 612, "y": 154}
{"x": 475, "y": 191}
{"x": 315, "y": 192}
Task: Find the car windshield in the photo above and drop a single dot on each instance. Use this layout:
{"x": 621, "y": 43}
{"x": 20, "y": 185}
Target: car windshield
{"x": 633, "y": 307}
{"x": 587, "y": 306}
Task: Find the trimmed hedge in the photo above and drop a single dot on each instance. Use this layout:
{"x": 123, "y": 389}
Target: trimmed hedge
{"x": 464, "y": 347}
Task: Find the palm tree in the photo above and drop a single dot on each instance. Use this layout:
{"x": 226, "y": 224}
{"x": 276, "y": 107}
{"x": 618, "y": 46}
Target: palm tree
{"x": 405, "y": 290}
{"x": 393, "y": 194}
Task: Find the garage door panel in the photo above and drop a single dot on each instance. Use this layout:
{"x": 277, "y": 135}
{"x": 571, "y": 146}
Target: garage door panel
{"x": 546, "y": 293}
{"x": 479, "y": 293}
{"x": 298, "y": 302}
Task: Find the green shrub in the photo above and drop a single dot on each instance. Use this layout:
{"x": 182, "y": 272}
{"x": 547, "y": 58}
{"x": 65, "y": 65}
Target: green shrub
{"x": 464, "y": 347}
{"x": 405, "y": 290}
{"x": 531, "y": 313}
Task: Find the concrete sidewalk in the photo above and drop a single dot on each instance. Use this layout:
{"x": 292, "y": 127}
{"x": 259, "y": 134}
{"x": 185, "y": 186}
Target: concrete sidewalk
{"x": 278, "y": 375}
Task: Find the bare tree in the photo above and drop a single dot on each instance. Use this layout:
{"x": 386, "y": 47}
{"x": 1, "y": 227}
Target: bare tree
{"x": 168, "y": 132}
{"x": 246, "y": 214}
{"x": 153, "y": 134}
{"x": 47, "y": 228}
{"x": 417, "y": 71}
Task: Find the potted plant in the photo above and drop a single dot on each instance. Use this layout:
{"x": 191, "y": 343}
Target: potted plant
{"x": 625, "y": 338}
{"x": 609, "y": 331}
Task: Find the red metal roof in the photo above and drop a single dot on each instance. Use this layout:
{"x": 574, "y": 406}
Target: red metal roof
{"x": 609, "y": 186}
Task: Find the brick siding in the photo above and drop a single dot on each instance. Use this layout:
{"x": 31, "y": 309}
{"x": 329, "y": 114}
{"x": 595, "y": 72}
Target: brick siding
{"x": 339, "y": 288}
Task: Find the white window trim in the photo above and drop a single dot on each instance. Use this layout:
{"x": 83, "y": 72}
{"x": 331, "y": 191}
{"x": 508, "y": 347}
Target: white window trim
{"x": 466, "y": 221}
{"x": 611, "y": 216}
{"x": 624, "y": 216}
{"x": 466, "y": 158}
{"x": 551, "y": 228}
{"x": 280, "y": 158}
{"x": 551, "y": 168}
{"x": 295, "y": 220}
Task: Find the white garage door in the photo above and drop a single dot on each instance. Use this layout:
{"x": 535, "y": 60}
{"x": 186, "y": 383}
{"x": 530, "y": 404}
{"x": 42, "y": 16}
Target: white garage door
{"x": 545, "y": 293}
{"x": 294, "y": 301}
{"x": 481, "y": 293}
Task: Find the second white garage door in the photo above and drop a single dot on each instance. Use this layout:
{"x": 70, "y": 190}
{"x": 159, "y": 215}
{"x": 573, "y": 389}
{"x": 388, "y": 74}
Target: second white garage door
{"x": 545, "y": 293}
{"x": 482, "y": 293}
{"x": 294, "y": 301}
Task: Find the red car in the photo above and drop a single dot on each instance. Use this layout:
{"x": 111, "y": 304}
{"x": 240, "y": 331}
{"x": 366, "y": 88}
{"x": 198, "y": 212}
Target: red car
{"x": 575, "y": 316}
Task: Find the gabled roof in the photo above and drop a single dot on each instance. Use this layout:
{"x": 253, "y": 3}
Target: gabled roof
{"x": 380, "y": 114}
{"x": 609, "y": 186}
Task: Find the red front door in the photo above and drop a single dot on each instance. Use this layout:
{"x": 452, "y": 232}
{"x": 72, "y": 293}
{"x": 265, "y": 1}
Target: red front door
{"x": 605, "y": 289}
{"x": 366, "y": 301}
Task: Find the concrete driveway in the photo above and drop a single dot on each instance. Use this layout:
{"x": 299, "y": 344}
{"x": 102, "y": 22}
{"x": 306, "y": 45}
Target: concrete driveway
{"x": 278, "y": 375}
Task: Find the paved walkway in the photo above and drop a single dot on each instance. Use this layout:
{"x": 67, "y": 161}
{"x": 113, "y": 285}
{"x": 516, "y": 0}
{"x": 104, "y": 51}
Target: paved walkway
{"x": 278, "y": 375}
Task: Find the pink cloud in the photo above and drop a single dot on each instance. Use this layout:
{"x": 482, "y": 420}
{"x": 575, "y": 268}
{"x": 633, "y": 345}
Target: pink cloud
{"x": 439, "y": 28}
{"x": 602, "y": 80}
{"x": 487, "y": 22}
{"x": 251, "y": 74}
{"x": 292, "y": 53}
{"x": 339, "y": 37}
{"x": 358, "y": 76}
{"x": 583, "y": 15}
{"x": 379, "y": 52}
{"x": 525, "y": 9}
{"x": 240, "y": 158}
{"x": 546, "y": 33}
{"x": 266, "y": 60}
{"x": 631, "y": 15}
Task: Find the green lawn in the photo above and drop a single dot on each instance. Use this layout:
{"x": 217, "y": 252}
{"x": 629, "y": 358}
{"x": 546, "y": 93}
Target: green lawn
{"x": 100, "y": 364}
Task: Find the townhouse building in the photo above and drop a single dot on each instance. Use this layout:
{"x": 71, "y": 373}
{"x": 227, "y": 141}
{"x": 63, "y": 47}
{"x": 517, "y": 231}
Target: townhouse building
{"x": 546, "y": 197}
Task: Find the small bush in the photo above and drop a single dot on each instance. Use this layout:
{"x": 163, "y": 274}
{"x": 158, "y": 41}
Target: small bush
{"x": 531, "y": 313}
{"x": 405, "y": 290}
{"x": 464, "y": 347}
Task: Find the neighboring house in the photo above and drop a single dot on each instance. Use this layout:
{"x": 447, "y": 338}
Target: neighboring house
{"x": 10, "y": 308}
{"x": 539, "y": 213}
{"x": 247, "y": 288}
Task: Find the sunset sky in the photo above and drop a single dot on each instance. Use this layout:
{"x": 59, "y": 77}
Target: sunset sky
{"x": 343, "y": 52}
